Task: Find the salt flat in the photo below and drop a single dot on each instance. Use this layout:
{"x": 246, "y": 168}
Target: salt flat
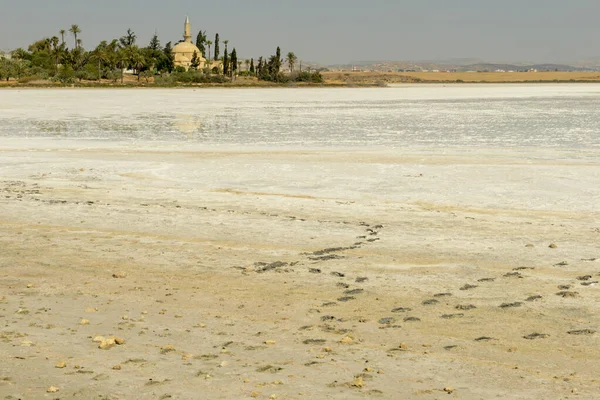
{"x": 349, "y": 244}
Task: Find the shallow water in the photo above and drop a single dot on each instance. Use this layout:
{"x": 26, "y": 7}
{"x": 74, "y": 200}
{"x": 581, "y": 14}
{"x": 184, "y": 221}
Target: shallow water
{"x": 549, "y": 115}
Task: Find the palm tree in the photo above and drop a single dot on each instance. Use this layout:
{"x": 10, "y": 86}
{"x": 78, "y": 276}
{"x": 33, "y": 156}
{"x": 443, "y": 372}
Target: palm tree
{"x": 208, "y": 43}
{"x": 55, "y": 51}
{"x": 291, "y": 60}
{"x": 75, "y": 30}
{"x": 247, "y": 62}
{"x": 62, "y": 35}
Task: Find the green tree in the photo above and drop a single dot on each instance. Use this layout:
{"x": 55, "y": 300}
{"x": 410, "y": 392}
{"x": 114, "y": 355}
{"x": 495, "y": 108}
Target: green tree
{"x": 217, "y": 50}
{"x": 75, "y": 31}
{"x": 129, "y": 39}
{"x": 291, "y": 60}
{"x": 195, "y": 61}
{"x": 154, "y": 43}
{"x": 167, "y": 61}
{"x": 62, "y": 35}
{"x": 234, "y": 62}
{"x": 201, "y": 42}
{"x": 252, "y": 70}
{"x": 226, "y": 59}
{"x": 259, "y": 67}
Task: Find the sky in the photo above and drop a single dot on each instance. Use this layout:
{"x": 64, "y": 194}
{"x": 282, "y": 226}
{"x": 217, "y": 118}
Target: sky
{"x": 330, "y": 31}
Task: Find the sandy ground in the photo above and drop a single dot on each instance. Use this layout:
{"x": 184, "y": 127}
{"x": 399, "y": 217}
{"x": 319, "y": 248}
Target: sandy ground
{"x": 306, "y": 274}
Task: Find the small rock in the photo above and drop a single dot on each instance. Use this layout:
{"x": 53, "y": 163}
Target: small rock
{"x": 529, "y": 245}
{"x": 117, "y": 367}
{"x": 91, "y": 310}
{"x": 347, "y": 340}
{"x": 119, "y": 275}
{"x": 270, "y": 342}
{"x": 449, "y": 389}
{"x": 84, "y": 322}
{"x": 107, "y": 344}
{"x": 358, "y": 382}
{"x": 119, "y": 341}
{"x": 98, "y": 339}
{"x": 254, "y": 394}
{"x": 553, "y": 246}
{"x": 61, "y": 364}
{"x": 52, "y": 389}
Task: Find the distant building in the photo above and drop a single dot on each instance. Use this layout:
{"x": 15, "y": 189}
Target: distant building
{"x": 183, "y": 52}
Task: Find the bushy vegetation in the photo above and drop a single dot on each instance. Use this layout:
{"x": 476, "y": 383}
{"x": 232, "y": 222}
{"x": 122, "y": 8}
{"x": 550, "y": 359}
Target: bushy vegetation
{"x": 188, "y": 77}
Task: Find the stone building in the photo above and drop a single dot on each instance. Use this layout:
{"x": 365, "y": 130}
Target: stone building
{"x": 184, "y": 51}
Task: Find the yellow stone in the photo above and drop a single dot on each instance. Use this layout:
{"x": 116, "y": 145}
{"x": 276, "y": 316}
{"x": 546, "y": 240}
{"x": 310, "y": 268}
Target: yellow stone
{"x": 358, "y": 382}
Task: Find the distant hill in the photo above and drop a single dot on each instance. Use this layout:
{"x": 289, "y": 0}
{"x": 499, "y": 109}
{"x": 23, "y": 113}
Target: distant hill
{"x": 460, "y": 66}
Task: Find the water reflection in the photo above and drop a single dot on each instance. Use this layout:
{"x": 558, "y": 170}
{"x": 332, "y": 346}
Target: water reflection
{"x": 544, "y": 121}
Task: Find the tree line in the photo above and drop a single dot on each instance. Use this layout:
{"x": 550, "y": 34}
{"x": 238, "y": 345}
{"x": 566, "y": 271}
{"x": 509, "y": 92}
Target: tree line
{"x": 51, "y": 59}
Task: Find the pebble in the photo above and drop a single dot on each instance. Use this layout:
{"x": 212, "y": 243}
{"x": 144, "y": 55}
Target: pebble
{"x": 117, "y": 367}
{"x": 254, "y": 394}
{"x": 61, "y": 364}
{"x": 52, "y": 389}
{"x": 119, "y": 275}
{"x": 553, "y": 246}
{"x": 270, "y": 342}
{"x": 347, "y": 340}
{"x": 84, "y": 322}
{"x": 449, "y": 389}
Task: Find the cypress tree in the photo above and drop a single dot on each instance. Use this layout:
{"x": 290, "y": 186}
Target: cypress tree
{"x": 217, "y": 50}
{"x": 226, "y": 62}
{"x": 252, "y": 65}
{"x": 259, "y": 67}
{"x": 277, "y": 64}
{"x": 234, "y": 62}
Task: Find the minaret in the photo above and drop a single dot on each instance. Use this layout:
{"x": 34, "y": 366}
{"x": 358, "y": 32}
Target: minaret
{"x": 188, "y": 31}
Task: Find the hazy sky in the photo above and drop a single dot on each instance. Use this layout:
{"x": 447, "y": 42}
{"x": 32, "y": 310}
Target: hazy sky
{"x": 330, "y": 31}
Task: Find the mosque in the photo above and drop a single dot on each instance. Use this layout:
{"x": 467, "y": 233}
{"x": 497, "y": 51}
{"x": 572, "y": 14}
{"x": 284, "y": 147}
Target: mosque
{"x": 184, "y": 51}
